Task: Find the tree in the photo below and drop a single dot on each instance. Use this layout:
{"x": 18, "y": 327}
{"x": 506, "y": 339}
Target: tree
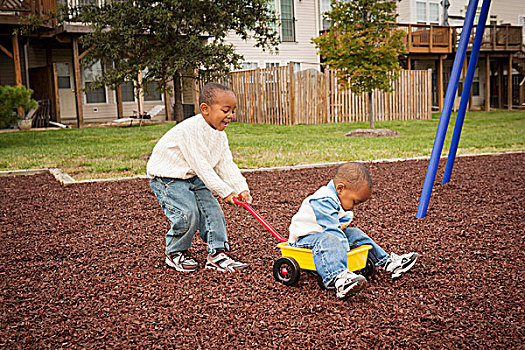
{"x": 167, "y": 40}
{"x": 363, "y": 45}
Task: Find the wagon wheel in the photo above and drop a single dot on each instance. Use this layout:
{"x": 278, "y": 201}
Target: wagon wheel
{"x": 286, "y": 270}
{"x": 369, "y": 270}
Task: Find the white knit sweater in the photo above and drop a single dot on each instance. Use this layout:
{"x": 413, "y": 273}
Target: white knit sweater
{"x": 193, "y": 147}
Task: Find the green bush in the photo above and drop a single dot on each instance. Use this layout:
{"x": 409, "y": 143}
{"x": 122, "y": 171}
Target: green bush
{"x": 12, "y": 97}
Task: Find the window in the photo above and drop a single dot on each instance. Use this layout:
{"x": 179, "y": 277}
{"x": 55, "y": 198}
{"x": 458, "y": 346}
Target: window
{"x": 427, "y": 12}
{"x": 433, "y": 11}
{"x": 272, "y": 64}
{"x": 127, "y": 90}
{"x": 64, "y": 75}
{"x": 152, "y": 91}
{"x": 287, "y": 21}
{"x": 421, "y": 10}
{"x": 90, "y": 74}
{"x": 249, "y": 65}
{"x": 271, "y": 7}
{"x": 325, "y": 7}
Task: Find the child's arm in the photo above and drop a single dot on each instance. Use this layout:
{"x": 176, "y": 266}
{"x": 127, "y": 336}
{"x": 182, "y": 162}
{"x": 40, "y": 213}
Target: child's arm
{"x": 231, "y": 174}
{"x": 326, "y": 213}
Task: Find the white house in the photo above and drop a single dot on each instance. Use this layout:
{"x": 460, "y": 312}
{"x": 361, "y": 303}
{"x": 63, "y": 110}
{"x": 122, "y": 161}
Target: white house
{"x": 503, "y": 17}
{"x": 299, "y": 23}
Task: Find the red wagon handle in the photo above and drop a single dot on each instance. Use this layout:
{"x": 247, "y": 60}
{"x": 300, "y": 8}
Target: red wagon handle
{"x": 240, "y": 201}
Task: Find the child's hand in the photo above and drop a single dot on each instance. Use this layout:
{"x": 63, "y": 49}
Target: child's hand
{"x": 247, "y": 197}
{"x": 229, "y": 199}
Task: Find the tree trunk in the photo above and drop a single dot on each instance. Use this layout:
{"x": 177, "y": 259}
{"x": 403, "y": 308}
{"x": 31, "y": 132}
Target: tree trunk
{"x": 370, "y": 111}
{"x": 177, "y": 90}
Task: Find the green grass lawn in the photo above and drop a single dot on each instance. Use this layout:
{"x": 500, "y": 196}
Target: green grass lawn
{"x": 103, "y": 152}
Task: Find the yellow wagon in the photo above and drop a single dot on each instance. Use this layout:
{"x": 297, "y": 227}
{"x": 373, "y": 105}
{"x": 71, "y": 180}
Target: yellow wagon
{"x": 287, "y": 269}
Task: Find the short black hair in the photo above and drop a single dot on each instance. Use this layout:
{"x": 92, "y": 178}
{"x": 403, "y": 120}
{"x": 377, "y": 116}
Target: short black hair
{"x": 354, "y": 174}
{"x": 209, "y": 92}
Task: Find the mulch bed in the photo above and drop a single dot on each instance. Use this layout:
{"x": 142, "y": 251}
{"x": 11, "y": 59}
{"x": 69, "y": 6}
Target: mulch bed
{"x": 82, "y": 266}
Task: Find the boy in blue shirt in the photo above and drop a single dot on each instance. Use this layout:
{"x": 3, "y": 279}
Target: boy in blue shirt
{"x": 322, "y": 225}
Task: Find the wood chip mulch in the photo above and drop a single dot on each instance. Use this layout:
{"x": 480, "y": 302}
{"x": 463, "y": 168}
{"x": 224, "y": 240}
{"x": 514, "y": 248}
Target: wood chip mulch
{"x": 82, "y": 266}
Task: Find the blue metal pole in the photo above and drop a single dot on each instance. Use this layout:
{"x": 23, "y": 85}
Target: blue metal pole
{"x": 465, "y": 94}
{"x": 445, "y": 112}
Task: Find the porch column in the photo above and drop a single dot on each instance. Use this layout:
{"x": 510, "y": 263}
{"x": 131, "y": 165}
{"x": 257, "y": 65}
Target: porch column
{"x": 16, "y": 61}
{"x": 440, "y": 82}
{"x": 56, "y": 99}
{"x": 509, "y": 84}
{"x": 78, "y": 86}
{"x": 500, "y": 84}
{"x": 487, "y": 82}
{"x": 18, "y": 68}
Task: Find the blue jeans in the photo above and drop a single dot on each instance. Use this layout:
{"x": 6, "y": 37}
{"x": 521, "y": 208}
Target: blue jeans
{"x": 190, "y": 205}
{"x": 329, "y": 250}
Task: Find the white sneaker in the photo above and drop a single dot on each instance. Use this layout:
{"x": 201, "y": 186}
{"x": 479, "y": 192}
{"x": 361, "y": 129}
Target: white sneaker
{"x": 348, "y": 283}
{"x": 398, "y": 264}
{"x": 224, "y": 262}
{"x": 181, "y": 261}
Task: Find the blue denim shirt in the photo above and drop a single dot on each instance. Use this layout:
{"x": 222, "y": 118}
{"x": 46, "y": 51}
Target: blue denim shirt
{"x": 326, "y": 211}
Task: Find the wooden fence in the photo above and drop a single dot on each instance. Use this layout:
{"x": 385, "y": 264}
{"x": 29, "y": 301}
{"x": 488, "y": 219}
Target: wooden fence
{"x": 269, "y": 96}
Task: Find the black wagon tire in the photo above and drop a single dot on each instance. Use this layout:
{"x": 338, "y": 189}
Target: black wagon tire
{"x": 369, "y": 271}
{"x": 286, "y": 270}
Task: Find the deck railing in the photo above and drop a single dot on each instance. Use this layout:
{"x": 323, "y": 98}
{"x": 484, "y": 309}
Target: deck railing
{"x": 26, "y": 7}
{"x": 496, "y": 37}
{"x": 427, "y": 38}
{"x": 15, "y": 11}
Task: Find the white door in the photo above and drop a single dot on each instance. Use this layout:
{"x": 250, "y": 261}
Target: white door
{"x": 66, "y": 95}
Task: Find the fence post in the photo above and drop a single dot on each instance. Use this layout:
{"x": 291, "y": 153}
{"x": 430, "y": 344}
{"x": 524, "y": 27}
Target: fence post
{"x": 292, "y": 92}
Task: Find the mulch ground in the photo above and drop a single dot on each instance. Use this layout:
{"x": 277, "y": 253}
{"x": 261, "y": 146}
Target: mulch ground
{"x": 82, "y": 266}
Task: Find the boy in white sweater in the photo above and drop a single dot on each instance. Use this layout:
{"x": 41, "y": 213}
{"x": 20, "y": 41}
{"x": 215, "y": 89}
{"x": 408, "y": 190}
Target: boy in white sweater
{"x": 322, "y": 225}
{"x": 189, "y": 163}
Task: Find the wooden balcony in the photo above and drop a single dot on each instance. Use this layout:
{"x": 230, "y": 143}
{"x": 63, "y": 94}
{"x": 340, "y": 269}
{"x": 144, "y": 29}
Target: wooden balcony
{"x": 428, "y": 38}
{"x": 424, "y": 38}
{"x": 16, "y": 12}
{"x": 495, "y": 38}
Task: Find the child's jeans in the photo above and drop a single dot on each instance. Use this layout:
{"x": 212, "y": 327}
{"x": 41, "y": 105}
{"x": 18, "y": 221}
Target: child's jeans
{"x": 190, "y": 205}
{"x": 329, "y": 250}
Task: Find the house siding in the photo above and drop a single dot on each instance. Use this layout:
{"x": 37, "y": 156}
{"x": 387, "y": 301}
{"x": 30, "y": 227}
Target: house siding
{"x": 509, "y": 11}
{"x": 302, "y": 50}
{"x": 403, "y": 11}
{"x": 100, "y": 112}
